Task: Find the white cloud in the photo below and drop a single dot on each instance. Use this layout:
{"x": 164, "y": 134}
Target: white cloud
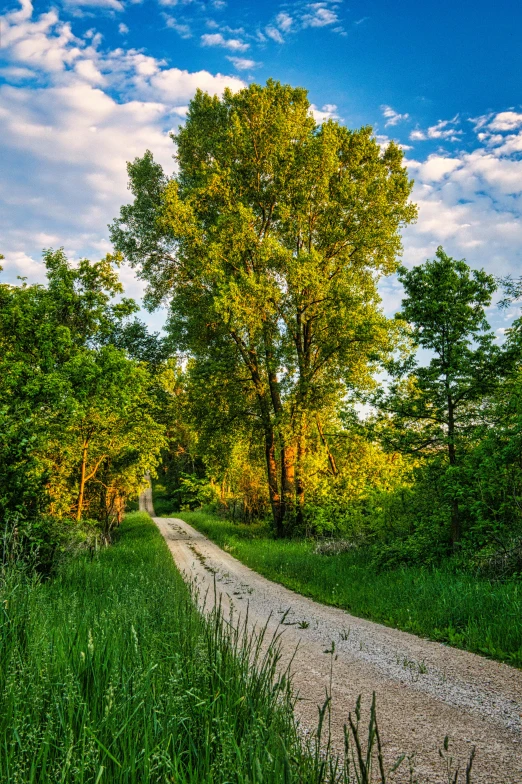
{"x": 443, "y": 130}
{"x": 472, "y": 203}
{"x": 173, "y": 84}
{"x": 243, "y": 63}
{"x": 506, "y": 121}
{"x": 284, "y": 21}
{"x": 66, "y": 138}
{"x": 435, "y": 168}
{"x": 14, "y": 74}
{"x": 18, "y": 263}
{"x": 116, "y": 5}
{"x": 274, "y": 34}
{"x": 182, "y": 29}
{"x": 319, "y": 15}
{"x": 217, "y": 39}
{"x": 123, "y": 29}
{"x": 383, "y": 141}
{"x": 88, "y": 71}
{"x": 328, "y": 112}
{"x": 393, "y": 117}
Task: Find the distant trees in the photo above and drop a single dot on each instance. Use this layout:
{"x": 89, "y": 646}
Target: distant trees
{"x": 77, "y": 425}
{"x": 268, "y": 245}
{"x": 437, "y": 403}
{"x": 440, "y": 404}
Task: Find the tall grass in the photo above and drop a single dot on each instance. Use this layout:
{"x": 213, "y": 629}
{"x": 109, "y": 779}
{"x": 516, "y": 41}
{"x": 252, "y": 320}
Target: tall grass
{"x": 453, "y": 607}
{"x": 108, "y": 673}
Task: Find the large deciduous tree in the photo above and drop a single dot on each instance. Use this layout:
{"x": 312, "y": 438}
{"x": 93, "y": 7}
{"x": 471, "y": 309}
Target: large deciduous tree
{"x": 269, "y": 242}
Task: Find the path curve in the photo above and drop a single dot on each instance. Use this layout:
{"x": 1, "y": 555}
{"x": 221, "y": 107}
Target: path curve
{"x": 425, "y": 690}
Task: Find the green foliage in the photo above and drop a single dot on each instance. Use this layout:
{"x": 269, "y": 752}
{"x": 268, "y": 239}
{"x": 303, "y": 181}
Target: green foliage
{"x": 433, "y": 409}
{"x": 108, "y": 672}
{"x": 77, "y": 431}
{"x": 269, "y": 243}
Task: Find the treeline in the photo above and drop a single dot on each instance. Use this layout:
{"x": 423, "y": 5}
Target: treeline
{"x": 281, "y": 389}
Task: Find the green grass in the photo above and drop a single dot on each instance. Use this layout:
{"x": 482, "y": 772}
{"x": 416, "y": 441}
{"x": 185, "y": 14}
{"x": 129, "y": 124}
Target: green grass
{"x": 108, "y": 673}
{"x": 455, "y": 608}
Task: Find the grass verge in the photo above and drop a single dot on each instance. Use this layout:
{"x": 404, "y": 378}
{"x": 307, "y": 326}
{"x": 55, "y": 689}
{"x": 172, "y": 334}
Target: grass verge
{"x": 108, "y": 673}
{"x": 460, "y": 609}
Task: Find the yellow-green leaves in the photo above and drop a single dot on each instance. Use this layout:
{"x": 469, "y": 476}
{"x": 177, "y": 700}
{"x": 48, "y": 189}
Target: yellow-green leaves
{"x": 271, "y": 239}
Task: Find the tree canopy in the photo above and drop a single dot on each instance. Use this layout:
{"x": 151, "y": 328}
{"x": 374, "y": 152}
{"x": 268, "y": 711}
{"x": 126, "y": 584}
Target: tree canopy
{"x": 268, "y": 244}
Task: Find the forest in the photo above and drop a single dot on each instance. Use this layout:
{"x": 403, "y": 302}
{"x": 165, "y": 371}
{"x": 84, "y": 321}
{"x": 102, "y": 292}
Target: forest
{"x": 281, "y": 408}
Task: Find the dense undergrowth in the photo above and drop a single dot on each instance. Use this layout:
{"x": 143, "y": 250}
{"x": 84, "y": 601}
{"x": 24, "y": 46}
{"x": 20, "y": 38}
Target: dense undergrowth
{"x": 445, "y": 604}
{"x": 108, "y": 673}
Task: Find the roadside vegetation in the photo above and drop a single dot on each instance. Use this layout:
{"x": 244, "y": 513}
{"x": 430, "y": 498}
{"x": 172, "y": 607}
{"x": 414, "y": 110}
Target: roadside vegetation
{"x": 445, "y": 603}
{"x": 108, "y": 673}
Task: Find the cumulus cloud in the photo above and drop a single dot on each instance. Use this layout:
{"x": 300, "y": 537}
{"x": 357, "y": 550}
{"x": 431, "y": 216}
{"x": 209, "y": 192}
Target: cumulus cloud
{"x": 471, "y": 201}
{"x": 217, "y": 39}
{"x": 174, "y": 84}
{"x": 66, "y": 138}
{"x": 123, "y": 29}
{"x": 506, "y": 121}
{"x": 89, "y": 72}
{"x": 393, "y": 117}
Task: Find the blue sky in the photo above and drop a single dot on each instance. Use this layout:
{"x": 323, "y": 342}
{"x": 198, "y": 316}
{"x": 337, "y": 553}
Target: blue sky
{"x": 86, "y": 85}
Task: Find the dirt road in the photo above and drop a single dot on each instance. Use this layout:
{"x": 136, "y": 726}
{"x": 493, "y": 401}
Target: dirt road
{"x": 424, "y": 690}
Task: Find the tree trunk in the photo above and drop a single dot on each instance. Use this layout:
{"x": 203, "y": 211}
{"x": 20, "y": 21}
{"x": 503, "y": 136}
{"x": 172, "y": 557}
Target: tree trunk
{"x": 299, "y": 482}
{"x": 273, "y": 487}
{"x": 288, "y": 454}
{"x": 287, "y": 501}
{"x": 331, "y": 458}
{"x": 82, "y": 481}
{"x": 455, "y": 516}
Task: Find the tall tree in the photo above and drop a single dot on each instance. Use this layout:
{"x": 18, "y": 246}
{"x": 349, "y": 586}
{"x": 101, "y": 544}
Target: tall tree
{"x": 270, "y": 240}
{"x": 434, "y": 406}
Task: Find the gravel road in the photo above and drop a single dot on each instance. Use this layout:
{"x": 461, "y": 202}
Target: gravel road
{"x": 424, "y": 690}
